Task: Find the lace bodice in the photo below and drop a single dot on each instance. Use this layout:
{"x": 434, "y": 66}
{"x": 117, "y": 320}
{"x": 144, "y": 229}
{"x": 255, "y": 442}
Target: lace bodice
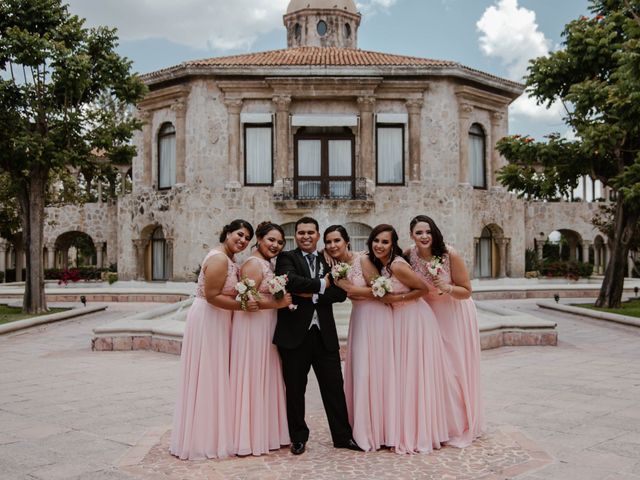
{"x": 398, "y": 286}
{"x": 267, "y": 273}
{"x": 355, "y": 275}
{"x": 421, "y": 267}
{"x": 229, "y": 287}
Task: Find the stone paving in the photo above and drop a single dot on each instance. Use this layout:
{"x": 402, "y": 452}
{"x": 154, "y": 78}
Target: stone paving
{"x": 565, "y": 412}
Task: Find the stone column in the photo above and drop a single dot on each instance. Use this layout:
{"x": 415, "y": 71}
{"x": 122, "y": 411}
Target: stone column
{"x": 414, "y": 107}
{"x": 99, "y": 191}
{"x": 494, "y": 163}
{"x": 51, "y": 255}
{"x": 465, "y": 116}
{"x": 234, "y": 106}
{"x": 140, "y": 247}
{"x": 3, "y": 258}
{"x": 502, "y": 248}
{"x": 147, "y": 153}
{"x": 539, "y": 247}
{"x": 585, "y": 251}
{"x": 123, "y": 175}
{"x": 180, "y": 109}
{"x": 65, "y": 258}
{"x": 169, "y": 244}
{"x": 366, "y": 166}
{"x": 282, "y": 104}
{"x": 99, "y": 250}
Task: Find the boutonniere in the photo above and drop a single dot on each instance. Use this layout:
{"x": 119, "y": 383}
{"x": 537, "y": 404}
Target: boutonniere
{"x": 321, "y": 269}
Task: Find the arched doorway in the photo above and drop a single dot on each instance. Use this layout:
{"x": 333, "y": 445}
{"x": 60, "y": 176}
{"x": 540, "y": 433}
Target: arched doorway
{"x": 74, "y": 249}
{"x": 359, "y": 234}
{"x": 484, "y": 254}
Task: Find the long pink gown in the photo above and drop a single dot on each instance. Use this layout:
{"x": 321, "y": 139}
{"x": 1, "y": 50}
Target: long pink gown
{"x": 369, "y": 380}
{"x": 423, "y": 385}
{"x": 201, "y": 422}
{"x": 459, "y": 328}
{"x": 257, "y": 388}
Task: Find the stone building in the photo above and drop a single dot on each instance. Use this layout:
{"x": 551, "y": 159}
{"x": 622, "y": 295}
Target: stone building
{"x": 321, "y": 128}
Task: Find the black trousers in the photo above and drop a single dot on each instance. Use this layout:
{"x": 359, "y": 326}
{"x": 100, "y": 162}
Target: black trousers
{"x": 296, "y": 364}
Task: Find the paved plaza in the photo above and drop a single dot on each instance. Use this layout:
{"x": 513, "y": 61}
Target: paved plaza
{"x": 565, "y": 412}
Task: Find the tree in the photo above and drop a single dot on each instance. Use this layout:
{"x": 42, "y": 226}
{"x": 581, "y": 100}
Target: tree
{"x": 54, "y": 71}
{"x": 597, "y": 77}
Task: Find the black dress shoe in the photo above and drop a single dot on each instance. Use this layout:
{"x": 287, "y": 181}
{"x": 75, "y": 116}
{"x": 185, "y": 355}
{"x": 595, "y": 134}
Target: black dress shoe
{"x": 297, "y": 448}
{"x": 350, "y": 444}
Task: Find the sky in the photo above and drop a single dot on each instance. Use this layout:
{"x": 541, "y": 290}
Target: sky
{"x": 496, "y": 36}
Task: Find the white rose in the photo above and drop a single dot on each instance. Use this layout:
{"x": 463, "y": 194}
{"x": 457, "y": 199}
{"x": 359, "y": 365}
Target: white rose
{"x": 241, "y": 287}
{"x": 251, "y": 283}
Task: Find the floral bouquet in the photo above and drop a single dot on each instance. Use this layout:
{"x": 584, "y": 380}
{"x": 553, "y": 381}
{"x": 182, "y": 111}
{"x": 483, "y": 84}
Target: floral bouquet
{"x": 340, "y": 270}
{"x": 246, "y": 289}
{"x": 276, "y": 286}
{"x": 435, "y": 267}
{"x": 381, "y": 286}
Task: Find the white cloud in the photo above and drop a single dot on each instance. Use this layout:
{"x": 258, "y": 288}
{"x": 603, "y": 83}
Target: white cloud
{"x": 200, "y": 24}
{"x": 511, "y": 34}
{"x": 370, "y": 7}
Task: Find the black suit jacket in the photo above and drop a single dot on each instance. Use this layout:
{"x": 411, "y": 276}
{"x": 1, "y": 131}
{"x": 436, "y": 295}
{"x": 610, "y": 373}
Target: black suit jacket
{"x": 293, "y": 325}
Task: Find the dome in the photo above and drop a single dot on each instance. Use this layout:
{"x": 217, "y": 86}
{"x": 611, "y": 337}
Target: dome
{"x": 343, "y": 5}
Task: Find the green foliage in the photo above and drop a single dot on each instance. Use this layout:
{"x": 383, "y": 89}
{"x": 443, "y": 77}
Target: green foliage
{"x": 9, "y": 217}
{"x": 56, "y": 77}
{"x": 530, "y": 260}
{"x": 112, "y": 278}
{"x": 567, "y": 269}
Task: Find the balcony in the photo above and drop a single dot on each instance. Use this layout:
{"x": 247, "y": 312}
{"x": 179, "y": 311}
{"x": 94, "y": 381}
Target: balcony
{"x": 308, "y": 195}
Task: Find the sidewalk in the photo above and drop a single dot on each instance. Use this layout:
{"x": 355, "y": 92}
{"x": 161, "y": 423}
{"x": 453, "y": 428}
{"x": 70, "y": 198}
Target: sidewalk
{"x": 563, "y": 413}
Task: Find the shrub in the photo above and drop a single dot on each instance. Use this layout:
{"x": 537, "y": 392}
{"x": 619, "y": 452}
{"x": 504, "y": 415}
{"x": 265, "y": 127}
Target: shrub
{"x": 569, "y": 269}
{"x": 531, "y": 263}
{"x": 112, "y": 277}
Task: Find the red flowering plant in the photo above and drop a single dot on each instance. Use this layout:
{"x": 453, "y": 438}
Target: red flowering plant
{"x": 72, "y": 275}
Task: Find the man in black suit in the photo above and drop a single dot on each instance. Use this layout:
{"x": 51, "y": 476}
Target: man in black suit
{"x": 307, "y": 337}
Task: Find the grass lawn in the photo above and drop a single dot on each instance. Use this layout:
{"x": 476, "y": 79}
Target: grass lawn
{"x": 630, "y": 308}
{"x": 11, "y": 314}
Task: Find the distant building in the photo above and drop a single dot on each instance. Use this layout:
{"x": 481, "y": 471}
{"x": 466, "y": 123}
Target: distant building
{"x": 325, "y": 129}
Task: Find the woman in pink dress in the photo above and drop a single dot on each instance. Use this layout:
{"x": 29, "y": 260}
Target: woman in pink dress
{"x": 202, "y": 422}
{"x": 257, "y": 388}
{"x": 422, "y": 383}
{"x": 450, "y": 298}
{"x": 369, "y": 380}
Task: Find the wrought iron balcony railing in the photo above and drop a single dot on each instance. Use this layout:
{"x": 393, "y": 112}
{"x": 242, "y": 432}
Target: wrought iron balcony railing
{"x": 322, "y": 189}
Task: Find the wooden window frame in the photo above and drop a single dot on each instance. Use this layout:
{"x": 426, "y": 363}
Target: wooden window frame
{"x": 401, "y": 126}
{"x": 258, "y": 125}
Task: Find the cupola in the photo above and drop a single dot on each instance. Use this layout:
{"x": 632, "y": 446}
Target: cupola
{"x": 322, "y": 23}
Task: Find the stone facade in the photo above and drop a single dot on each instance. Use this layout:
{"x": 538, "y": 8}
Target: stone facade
{"x": 209, "y": 103}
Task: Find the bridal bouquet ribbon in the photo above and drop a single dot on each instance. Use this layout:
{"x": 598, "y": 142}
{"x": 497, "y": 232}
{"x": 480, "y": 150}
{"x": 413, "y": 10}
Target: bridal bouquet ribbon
{"x": 246, "y": 289}
{"x": 435, "y": 267}
{"x": 381, "y": 286}
{"x": 277, "y": 288}
{"x": 340, "y": 270}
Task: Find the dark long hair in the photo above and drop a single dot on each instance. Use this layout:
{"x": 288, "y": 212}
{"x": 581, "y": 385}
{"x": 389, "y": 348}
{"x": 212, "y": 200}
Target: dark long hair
{"x": 236, "y": 224}
{"x": 265, "y": 227}
{"x": 438, "y": 247}
{"x": 341, "y": 230}
{"x": 396, "y": 251}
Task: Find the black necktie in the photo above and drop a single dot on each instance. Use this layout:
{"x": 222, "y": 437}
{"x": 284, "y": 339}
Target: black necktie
{"x": 311, "y": 260}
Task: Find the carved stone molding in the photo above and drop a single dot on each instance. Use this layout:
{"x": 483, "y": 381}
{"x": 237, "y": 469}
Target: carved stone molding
{"x": 366, "y": 104}
{"x": 234, "y": 105}
{"x": 282, "y": 102}
{"x": 414, "y": 105}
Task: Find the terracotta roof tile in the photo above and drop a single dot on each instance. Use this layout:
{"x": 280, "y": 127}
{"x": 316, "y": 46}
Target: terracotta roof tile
{"x": 318, "y": 56}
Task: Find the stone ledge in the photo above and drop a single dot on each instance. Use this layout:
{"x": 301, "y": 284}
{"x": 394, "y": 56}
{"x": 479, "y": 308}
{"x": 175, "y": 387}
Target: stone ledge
{"x": 585, "y": 312}
{"x": 44, "y": 319}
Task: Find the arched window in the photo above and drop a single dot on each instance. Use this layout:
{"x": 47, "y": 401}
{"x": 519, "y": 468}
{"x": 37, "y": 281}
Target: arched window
{"x": 166, "y": 156}
{"x": 347, "y": 30}
{"x": 297, "y": 32}
{"x": 159, "y": 254}
{"x": 359, "y": 234}
{"x": 484, "y": 250}
{"x": 477, "y": 171}
{"x": 322, "y": 28}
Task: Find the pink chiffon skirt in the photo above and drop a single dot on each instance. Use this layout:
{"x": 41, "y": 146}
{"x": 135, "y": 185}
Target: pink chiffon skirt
{"x": 458, "y": 324}
{"x": 259, "y": 408}
{"x": 201, "y": 422}
{"x": 370, "y": 383}
{"x": 422, "y": 383}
